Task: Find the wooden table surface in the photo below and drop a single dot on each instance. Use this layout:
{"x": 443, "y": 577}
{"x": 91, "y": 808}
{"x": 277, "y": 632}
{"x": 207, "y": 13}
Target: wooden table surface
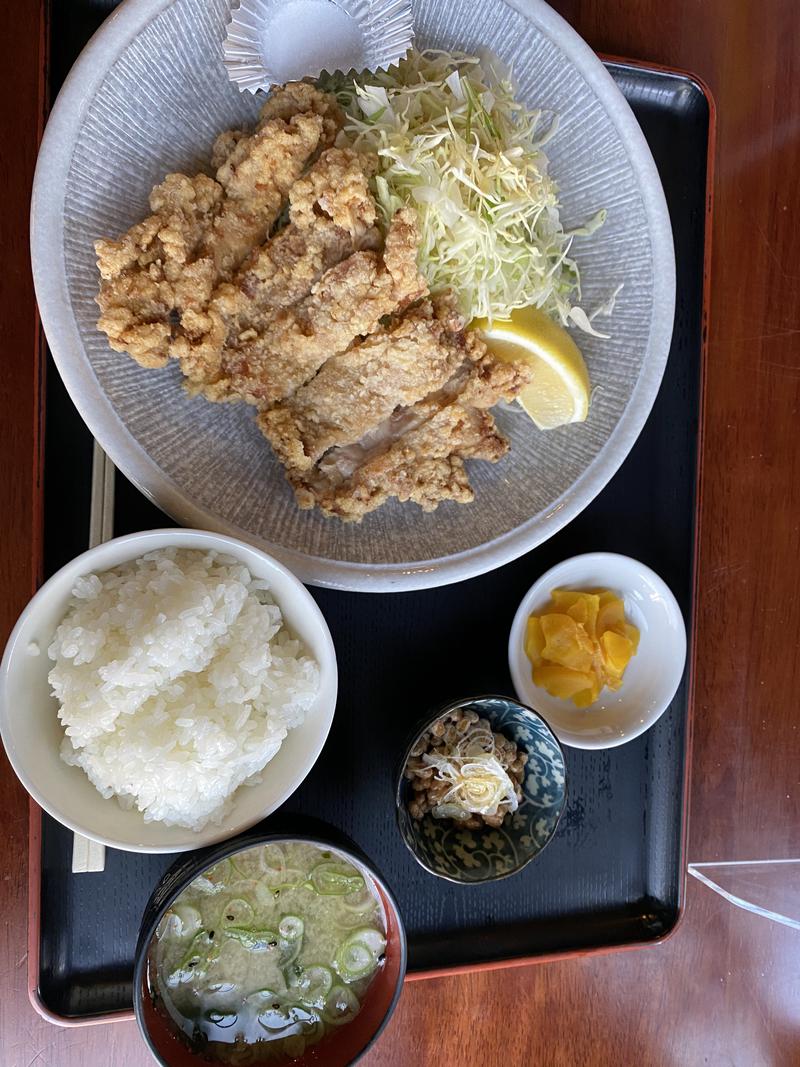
{"x": 725, "y": 989}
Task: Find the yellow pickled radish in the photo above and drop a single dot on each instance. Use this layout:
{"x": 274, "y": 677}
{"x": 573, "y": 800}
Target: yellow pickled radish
{"x": 566, "y": 642}
{"x": 563, "y": 681}
{"x": 534, "y": 641}
{"x": 611, "y": 612}
{"x": 617, "y": 652}
{"x": 581, "y": 644}
{"x": 585, "y": 612}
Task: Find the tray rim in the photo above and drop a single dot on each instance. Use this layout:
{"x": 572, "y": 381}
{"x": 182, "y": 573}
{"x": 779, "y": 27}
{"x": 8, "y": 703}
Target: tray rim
{"x": 35, "y": 812}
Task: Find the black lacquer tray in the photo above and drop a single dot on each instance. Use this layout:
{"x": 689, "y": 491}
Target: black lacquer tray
{"x": 614, "y": 874}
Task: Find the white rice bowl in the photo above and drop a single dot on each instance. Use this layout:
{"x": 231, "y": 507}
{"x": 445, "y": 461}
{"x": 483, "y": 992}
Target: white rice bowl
{"x": 177, "y": 682}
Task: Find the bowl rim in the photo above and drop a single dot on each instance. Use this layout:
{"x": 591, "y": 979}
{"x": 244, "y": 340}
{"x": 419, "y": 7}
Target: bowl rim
{"x": 524, "y": 608}
{"x": 82, "y": 564}
{"x": 197, "y": 862}
{"x": 428, "y": 721}
{"x": 94, "y": 406}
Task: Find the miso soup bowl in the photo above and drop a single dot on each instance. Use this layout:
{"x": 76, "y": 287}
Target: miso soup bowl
{"x": 346, "y": 1044}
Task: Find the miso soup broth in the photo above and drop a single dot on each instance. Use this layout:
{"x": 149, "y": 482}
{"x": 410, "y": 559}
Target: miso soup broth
{"x": 267, "y": 952}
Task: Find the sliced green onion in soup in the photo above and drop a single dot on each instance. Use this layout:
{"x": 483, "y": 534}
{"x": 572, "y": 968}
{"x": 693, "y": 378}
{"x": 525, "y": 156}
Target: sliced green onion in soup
{"x": 335, "y": 879}
{"x": 239, "y": 870}
{"x": 358, "y": 955}
{"x": 341, "y": 1005}
{"x": 182, "y": 920}
{"x": 215, "y": 878}
{"x": 195, "y": 960}
{"x": 255, "y": 940}
{"x": 291, "y": 927}
{"x": 290, "y": 939}
{"x": 359, "y": 899}
{"x": 272, "y": 860}
{"x": 311, "y": 986}
{"x": 237, "y": 912}
{"x": 357, "y": 909}
{"x": 268, "y": 890}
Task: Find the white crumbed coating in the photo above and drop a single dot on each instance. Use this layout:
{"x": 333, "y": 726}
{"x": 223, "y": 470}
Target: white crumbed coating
{"x": 273, "y": 284}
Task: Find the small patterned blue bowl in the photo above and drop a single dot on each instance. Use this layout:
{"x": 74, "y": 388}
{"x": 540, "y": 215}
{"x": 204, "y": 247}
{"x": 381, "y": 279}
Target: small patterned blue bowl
{"x": 485, "y": 855}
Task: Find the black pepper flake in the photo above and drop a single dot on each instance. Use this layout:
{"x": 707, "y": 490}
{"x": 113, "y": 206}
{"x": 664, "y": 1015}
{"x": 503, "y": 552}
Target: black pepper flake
{"x": 229, "y": 918}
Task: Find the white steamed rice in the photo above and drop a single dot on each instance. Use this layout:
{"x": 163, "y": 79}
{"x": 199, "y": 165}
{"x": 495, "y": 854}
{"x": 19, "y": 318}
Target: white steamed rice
{"x": 177, "y": 682}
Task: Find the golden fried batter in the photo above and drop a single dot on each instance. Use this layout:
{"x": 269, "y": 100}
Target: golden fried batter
{"x": 200, "y": 229}
{"x": 360, "y": 388}
{"x": 332, "y": 215}
{"x": 157, "y": 268}
{"x": 367, "y": 387}
{"x": 418, "y": 453}
{"x": 348, "y": 301}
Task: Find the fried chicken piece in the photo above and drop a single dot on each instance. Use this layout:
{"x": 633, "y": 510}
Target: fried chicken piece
{"x": 256, "y": 178}
{"x": 362, "y": 386}
{"x": 200, "y": 230}
{"x": 364, "y": 395}
{"x": 291, "y": 99}
{"x": 224, "y": 146}
{"x": 296, "y": 97}
{"x": 424, "y": 465}
{"x": 336, "y": 188}
{"x": 347, "y": 302}
{"x": 332, "y": 215}
{"x": 157, "y": 268}
{"x": 418, "y": 453}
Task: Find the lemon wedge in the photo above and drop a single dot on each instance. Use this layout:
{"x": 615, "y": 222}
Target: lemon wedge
{"x": 559, "y": 391}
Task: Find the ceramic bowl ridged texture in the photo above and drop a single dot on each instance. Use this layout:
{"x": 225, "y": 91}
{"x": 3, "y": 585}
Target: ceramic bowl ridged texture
{"x": 472, "y": 856}
{"x": 147, "y": 97}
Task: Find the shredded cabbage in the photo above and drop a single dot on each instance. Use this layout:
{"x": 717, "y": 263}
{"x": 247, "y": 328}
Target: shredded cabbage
{"x": 455, "y": 143}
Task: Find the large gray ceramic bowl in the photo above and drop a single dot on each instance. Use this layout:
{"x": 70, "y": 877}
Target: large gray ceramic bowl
{"x": 147, "y": 96}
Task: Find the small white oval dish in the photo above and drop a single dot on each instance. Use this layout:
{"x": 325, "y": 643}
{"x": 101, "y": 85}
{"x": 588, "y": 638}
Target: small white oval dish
{"x": 651, "y": 678}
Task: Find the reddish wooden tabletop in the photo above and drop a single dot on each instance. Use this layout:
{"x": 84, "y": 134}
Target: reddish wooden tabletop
{"x": 725, "y": 989}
